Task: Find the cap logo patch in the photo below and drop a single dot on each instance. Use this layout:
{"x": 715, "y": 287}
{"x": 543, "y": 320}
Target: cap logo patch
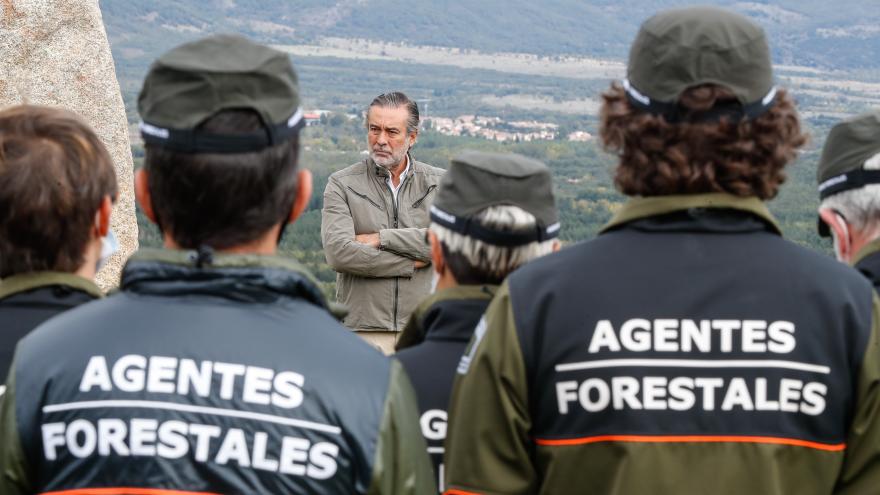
{"x": 442, "y": 214}
{"x": 832, "y": 181}
{"x": 153, "y": 130}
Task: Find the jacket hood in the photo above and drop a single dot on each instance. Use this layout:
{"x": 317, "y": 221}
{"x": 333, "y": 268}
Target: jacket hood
{"x": 242, "y": 278}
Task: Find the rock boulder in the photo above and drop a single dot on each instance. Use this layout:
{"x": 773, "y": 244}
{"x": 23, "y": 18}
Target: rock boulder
{"x": 55, "y": 52}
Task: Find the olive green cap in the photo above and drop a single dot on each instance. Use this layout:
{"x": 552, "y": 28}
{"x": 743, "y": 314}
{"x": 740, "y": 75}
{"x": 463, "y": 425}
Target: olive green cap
{"x": 848, "y": 146}
{"x": 196, "y": 80}
{"x": 477, "y": 180}
{"x": 685, "y": 47}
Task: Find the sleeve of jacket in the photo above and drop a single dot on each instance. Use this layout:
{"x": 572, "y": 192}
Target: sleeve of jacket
{"x": 14, "y": 478}
{"x": 346, "y": 255}
{"x": 861, "y": 466}
{"x": 409, "y": 242}
{"x": 401, "y": 465}
{"x": 488, "y": 446}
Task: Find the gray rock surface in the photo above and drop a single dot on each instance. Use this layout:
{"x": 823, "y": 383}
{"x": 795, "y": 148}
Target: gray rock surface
{"x": 55, "y": 52}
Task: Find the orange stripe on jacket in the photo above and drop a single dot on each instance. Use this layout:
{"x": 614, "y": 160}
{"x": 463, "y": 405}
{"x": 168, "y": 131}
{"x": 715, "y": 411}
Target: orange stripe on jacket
{"x": 125, "y": 491}
{"x": 459, "y": 492}
{"x": 691, "y": 438}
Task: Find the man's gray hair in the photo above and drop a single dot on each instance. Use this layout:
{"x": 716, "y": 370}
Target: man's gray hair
{"x": 397, "y": 99}
{"x": 498, "y": 261}
{"x": 860, "y": 207}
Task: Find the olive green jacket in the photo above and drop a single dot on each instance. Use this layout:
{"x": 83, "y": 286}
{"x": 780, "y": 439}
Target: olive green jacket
{"x": 381, "y": 287}
{"x": 541, "y": 405}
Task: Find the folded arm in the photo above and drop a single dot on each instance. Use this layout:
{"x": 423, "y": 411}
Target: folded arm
{"x": 344, "y": 254}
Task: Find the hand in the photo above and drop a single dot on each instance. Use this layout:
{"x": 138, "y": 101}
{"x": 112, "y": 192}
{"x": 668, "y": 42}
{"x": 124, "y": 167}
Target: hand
{"x": 420, "y": 264}
{"x": 368, "y": 239}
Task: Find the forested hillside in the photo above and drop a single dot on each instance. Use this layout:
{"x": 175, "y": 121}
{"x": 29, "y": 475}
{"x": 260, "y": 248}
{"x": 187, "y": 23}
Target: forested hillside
{"x": 804, "y": 32}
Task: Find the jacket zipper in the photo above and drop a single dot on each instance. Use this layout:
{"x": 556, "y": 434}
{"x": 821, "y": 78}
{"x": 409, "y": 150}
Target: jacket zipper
{"x": 417, "y": 203}
{"x": 396, "y": 279}
{"x": 364, "y": 196}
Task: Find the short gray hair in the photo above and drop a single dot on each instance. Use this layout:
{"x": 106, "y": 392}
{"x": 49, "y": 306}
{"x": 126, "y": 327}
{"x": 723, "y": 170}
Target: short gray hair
{"x": 860, "y": 207}
{"x": 488, "y": 262}
{"x": 397, "y": 99}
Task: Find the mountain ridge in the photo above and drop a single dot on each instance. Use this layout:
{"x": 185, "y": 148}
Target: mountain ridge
{"x": 838, "y": 35}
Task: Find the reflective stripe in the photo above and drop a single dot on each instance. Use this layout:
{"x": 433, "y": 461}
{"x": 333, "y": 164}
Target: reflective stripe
{"x": 691, "y": 439}
{"x": 644, "y": 100}
{"x": 125, "y": 491}
{"x": 295, "y": 118}
{"x": 694, "y": 363}
{"x": 189, "y": 408}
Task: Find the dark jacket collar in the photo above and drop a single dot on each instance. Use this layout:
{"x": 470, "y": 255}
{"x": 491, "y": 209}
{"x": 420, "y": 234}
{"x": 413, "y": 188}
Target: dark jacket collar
{"x": 868, "y": 250}
{"x": 644, "y": 207}
{"x": 448, "y": 314}
{"x": 25, "y": 282}
{"x": 245, "y": 278}
{"x": 867, "y": 261}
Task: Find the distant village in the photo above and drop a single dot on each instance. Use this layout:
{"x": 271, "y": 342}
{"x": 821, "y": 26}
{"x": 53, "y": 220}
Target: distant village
{"x": 496, "y": 129}
{"x": 491, "y": 128}
{"x": 478, "y": 126}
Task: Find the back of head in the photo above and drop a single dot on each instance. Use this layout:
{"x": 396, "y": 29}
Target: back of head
{"x": 698, "y": 112}
{"x": 221, "y": 119}
{"x": 493, "y": 213}
{"x": 849, "y": 173}
{"x": 54, "y": 174}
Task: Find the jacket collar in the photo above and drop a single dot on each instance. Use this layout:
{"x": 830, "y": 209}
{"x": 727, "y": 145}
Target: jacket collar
{"x": 411, "y": 168}
{"x": 867, "y": 251}
{"x": 245, "y": 278}
{"x": 443, "y": 316}
{"x": 25, "y": 282}
{"x": 643, "y": 207}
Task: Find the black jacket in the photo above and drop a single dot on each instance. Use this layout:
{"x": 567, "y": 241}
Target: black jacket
{"x": 28, "y": 299}
{"x": 227, "y": 378}
{"x": 688, "y": 349}
{"x": 429, "y": 349}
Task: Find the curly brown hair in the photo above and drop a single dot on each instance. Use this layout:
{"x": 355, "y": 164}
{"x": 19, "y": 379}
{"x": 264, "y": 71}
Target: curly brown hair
{"x": 743, "y": 158}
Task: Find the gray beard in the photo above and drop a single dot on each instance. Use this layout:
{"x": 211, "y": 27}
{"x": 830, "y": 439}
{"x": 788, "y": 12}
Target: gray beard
{"x": 393, "y": 160}
{"x": 386, "y": 163}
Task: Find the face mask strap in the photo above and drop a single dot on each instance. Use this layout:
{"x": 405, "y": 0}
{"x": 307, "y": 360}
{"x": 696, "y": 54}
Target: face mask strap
{"x": 109, "y": 247}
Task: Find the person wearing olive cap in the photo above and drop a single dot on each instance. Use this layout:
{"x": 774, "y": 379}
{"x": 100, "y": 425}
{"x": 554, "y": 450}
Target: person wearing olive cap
{"x": 217, "y": 367}
{"x": 689, "y": 349}
{"x": 492, "y": 214}
{"x": 849, "y": 188}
